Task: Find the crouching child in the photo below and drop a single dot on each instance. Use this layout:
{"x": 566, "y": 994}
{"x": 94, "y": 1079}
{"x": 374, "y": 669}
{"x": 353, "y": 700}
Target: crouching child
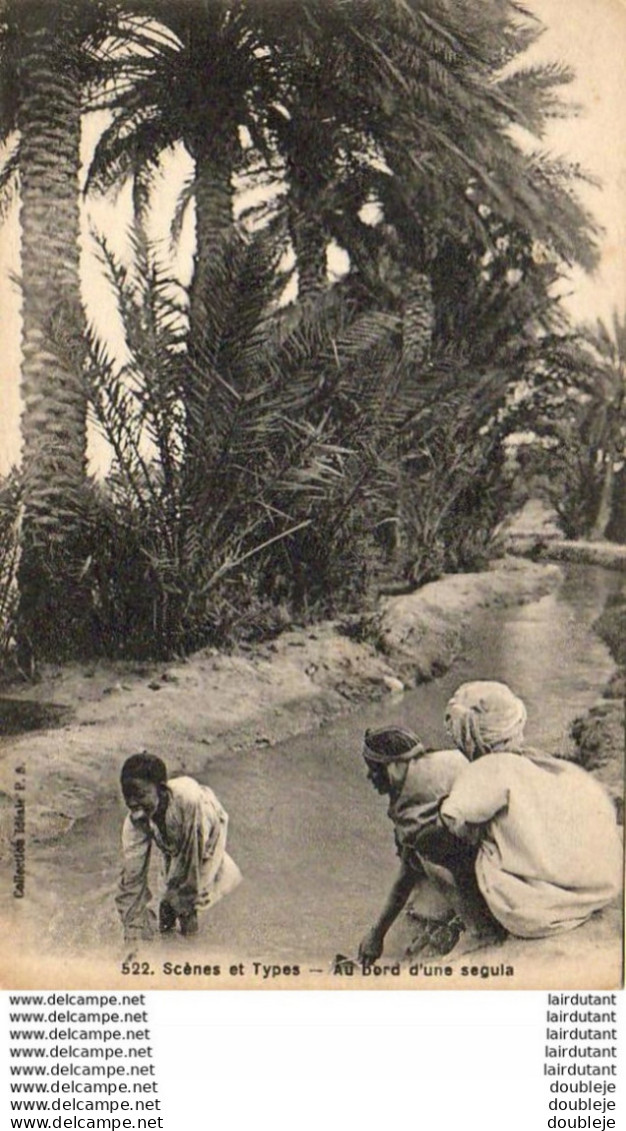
{"x": 416, "y": 781}
{"x": 187, "y": 824}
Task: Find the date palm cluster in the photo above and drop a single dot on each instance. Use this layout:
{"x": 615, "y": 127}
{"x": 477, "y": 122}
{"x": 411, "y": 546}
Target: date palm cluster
{"x": 280, "y": 436}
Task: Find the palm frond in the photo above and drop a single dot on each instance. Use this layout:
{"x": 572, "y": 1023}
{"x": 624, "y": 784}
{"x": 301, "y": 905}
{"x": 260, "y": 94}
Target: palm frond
{"x": 9, "y": 181}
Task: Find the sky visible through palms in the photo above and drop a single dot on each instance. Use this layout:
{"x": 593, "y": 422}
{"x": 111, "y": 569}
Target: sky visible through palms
{"x": 586, "y": 34}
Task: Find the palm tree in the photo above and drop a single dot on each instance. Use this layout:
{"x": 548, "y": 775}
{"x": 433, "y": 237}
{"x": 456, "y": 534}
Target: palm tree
{"x": 402, "y": 105}
{"x": 425, "y": 137}
{"x": 398, "y": 104}
{"x": 195, "y": 73}
{"x": 46, "y": 114}
{"x": 454, "y": 165}
{"x": 197, "y": 76}
{"x": 292, "y": 419}
{"x": 45, "y": 46}
{"x": 604, "y": 420}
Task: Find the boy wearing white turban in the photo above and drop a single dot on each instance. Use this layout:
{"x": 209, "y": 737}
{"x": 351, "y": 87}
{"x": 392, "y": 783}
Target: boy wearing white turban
{"x": 550, "y": 853}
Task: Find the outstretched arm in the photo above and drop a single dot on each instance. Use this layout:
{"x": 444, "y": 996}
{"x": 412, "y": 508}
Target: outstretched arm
{"x": 372, "y": 944}
{"x": 479, "y": 793}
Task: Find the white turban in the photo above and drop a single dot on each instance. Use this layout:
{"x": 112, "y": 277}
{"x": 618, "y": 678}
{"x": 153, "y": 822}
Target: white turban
{"x": 485, "y": 716}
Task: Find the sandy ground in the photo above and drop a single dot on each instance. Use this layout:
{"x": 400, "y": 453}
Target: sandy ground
{"x": 600, "y": 738}
{"x": 535, "y": 530}
{"x": 605, "y": 554}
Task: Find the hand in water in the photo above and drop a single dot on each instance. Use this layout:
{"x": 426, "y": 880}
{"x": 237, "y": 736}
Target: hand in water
{"x": 371, "y": 946}
{"x": 189, "y": 923}
{"x": 167, "y": 917}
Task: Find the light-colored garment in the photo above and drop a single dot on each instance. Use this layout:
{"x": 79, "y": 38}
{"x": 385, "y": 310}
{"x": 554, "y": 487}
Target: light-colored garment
{"x": 550, "y": 853}
{"x": 428, "y": 779}
{"x": 198, "y": 870}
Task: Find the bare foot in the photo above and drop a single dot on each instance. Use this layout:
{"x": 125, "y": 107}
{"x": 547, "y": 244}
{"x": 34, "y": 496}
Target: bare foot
{"x": 436, "y": 938}
{"x": 472, "y": 940}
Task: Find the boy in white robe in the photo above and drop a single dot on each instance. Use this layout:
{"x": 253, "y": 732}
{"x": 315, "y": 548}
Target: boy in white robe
{"x": 188, "y": 825}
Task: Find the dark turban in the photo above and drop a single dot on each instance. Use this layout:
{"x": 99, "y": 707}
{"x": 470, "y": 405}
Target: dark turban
{"x": 391, "y": 744}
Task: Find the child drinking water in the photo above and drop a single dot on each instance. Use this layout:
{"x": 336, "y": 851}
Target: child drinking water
{"x": 186, "y": 822}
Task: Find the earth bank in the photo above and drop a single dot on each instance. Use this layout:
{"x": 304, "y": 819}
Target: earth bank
{"x": 600, "y": 735}
{"x": 215, "y": 704}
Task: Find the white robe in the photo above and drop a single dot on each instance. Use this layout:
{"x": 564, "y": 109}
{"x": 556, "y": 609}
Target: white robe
{"x": 198, "y": 870}
{"x": 550, "y": 853}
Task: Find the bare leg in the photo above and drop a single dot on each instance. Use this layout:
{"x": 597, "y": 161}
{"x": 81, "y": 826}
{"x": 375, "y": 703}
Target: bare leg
{"x": 451, "y": 866}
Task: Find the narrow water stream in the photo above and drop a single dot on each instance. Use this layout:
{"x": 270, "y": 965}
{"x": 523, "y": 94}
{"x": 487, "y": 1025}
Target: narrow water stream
{"x": 308, "y": 832}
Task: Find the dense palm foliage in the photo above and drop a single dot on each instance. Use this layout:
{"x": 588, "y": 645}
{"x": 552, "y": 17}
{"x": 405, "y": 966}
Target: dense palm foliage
{"x": 573, "y": 414}
{"x": 291, "y": 418}
{"x": 323, "y": 460}
{"x": 604, "y": 424}
{"x": 271, "y": 457}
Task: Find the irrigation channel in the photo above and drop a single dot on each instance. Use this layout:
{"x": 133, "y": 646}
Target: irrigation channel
{"x": 309, "y": 833}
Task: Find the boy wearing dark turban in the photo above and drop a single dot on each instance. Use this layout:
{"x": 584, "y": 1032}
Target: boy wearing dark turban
{"x": 188, "y": 825}
{"x": 416, "y": 781}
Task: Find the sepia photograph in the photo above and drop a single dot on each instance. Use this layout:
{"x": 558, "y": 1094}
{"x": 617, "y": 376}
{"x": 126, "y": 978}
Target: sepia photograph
{"x": 312, "y": 494}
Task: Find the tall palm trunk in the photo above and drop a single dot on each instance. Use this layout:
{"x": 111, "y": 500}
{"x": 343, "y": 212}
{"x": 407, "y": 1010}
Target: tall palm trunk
{"x": 214, "y": 219}
{"x": 418, "y": 315}
{"x": 54, "y": 420}
{"x": 309, "y": 244}
{"x": 605, "y": 503}
{"x": 306, "y": 175}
